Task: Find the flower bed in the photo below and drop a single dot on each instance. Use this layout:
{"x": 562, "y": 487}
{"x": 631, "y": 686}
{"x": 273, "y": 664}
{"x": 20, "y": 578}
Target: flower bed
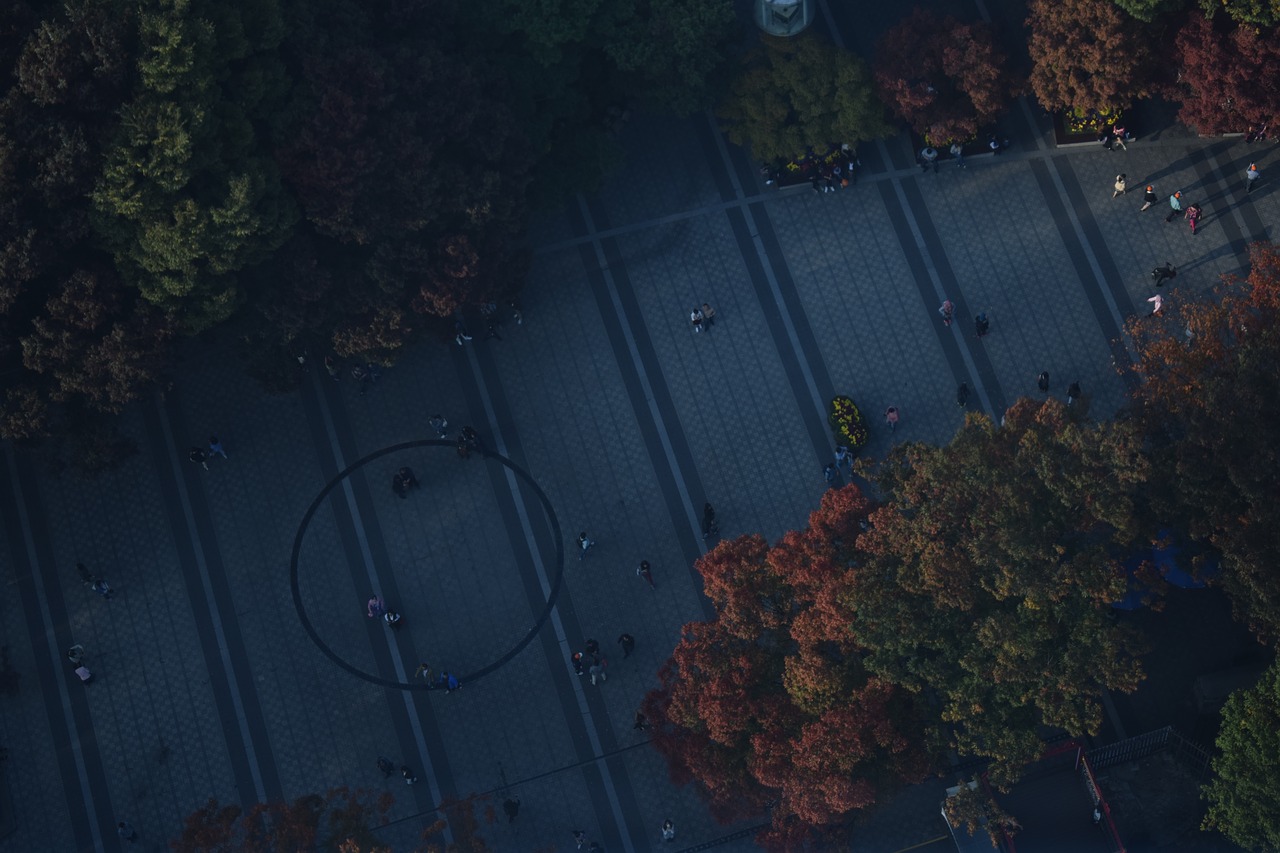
{"x": 847, "y": 424}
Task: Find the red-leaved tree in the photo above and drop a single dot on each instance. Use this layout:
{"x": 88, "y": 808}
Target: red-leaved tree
{"x": 770, "y": 701}
{"x": 1086, "y": 56}
{"x": 1230, "y": 74}
{"x": 944, "y": 78}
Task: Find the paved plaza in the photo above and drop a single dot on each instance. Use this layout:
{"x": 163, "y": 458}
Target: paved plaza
{"x": 611, "y": 416}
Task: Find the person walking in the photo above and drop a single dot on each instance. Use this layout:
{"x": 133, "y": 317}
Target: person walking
{"x": 409, "y": 776}
{"x": 471, "y": 438}
{"x": 1159, "y": 274}
{"x": 957, "y": 151}
{"x": 1193, "y": 217}
{"x": 592, "y": 647}
{"x": 579, "y": 838}
{"x": 641, "y": 724}
{"x": 101, "y": 588}
{"x": 1121, "y": 187}
{"x": 830, "y": 473}
{"x": 645, "y": 572}
{"x": 709, "y": 525}
{"x": 423, "y": 671}
{"x": 199, "y": 457}
{"x": 597, "y": 670}
{"x": 708, "y": 315}
{"x": 1251, "y": 177}
{"x": 946, "y": 310}
{"x": 696, "y": 318}
{"x": 628, "y": 644}
{"x": 981, "y": 324}
{"x": 1157, "y": 302}
{"x": 1107, "y": 138}
{"x": 1149, "y": 198}
{"x": 408, "y": 478}
{"x": 1042, "y": 382}
{"x": 86, "y": 576}
{"x": 392, "y": 620}
{"x": 125, "y": 830}
{"x": 576, "y": 660}
{"x": 399, "y": 486}
{"x": 462, "y": 335}
{"x": 216, "y": 448}
{"x": 584, "y": 542}
{"x": 439, "y": 425}
{"x": 377, "y": 607}
{"x": 1073, "y": 392}
{"x": 511, "y": 808}
{"x": 962, "y": 395}
{"x": 331, "y": 367}
{"x": 668, "y": 831}
{"x": 1121, "y": 135}
{"x": 891, "y": 417}
{"x": 385, "y": 765}
{"x": 1175, "y": 206}
{"x": 843, "y": 457}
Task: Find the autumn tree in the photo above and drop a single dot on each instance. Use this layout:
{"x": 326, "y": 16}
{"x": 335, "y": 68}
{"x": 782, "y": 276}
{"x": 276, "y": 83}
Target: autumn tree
{"x": 187, "y": 198}
{"x": 1086, "y": 56}
{"x": 944, "y": 78}
{"x": 341, "y": 819}
{"x": 1230, "y": 75}
{"x": 1246, "y": 772}
{"x": 1210, "y": 400}
{"x": 771, "y": 700}
{"x": 801, "y": 92}
{"x": 986, "y": 581}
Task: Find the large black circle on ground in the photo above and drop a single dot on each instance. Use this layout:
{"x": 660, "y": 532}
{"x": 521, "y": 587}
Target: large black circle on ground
{"x": 522, "y": 474}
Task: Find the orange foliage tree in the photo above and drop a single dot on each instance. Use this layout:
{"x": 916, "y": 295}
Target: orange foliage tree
{"x": 1086, "y": 56}
{"x": 1210, "y": 400}
{"x": 1230, "y": 77}
{"x": 771, "y": 701}
{"x": 341, "y": 819}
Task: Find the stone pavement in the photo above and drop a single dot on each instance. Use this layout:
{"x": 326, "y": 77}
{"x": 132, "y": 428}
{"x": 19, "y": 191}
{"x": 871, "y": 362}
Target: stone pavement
{"x": 206, "y": 682}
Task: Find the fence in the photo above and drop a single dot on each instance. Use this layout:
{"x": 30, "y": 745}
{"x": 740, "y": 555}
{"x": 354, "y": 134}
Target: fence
{"x": 1190, "y": 754}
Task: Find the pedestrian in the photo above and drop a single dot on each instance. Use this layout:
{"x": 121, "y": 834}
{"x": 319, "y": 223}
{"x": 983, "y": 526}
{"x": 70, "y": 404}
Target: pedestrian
{"x": 843, "y": 457}
{"x": 439, "y": 424}
{"x": 696, "y": 318}
{"x": 199, "y": 457}
{"x": 957, "y": 151}
{"x": 1255, "y": 134}
{"x": 1073, "y": 392}
{"x": 1157, "y": 302}
{"x": 1042, "y": 382}
{"x": 332, "y": 367}
{"x": 423, "y": 671}
{"x": 644, "y": 572}
{"x": 1175, "y": 206}
{"x": 994, "y": 144}
{"x": 710, "y": 527}
{"x": 451, "y": 682}
{"x": 399, "y": 486}
{"x": 376, "y": 607}
{"x": 392, "y": 618}
{"x": 464, "y": 449}
{"x": 962, "y": 394}
{"x": 580, "y": 838}
{"x": 1106, "y": 137}
{"x": 517, "y": 313}
{"x": 408, "y": 478}
{"x": 641, "y": 724}
{"x": 1251, "y": 177}
{"x": 1159, "y": 274}
{"x": 1193, "y": 217}
{"x": 461, "y": 335}
{"x": 597, "y": 670}
{"x": 668, "y": 830}
{"x": 929, "y": 157}
{"x": 216, "y": 448}
{"x": 472, "y": 438}
{"x": 511, "y": 808}
{"x": 981, "y": 324}
{"x": 583, "y": 544}
{"x": 101, "y": 588}
{"x": 891, "y": 417}
{"x": 628, "y": 644}
{"x": 126, "y": 831}
{"x": 946, "y": 310}
{"x": 385, "y": 765}
{"x": 1120, "y": 135}
{"x": 830, "y": 473}
{"x": 593, "y": 647}
{"x": 576, "y": 660}
{"x": 1149, "y": 198}
{"x": 708, "y": 315}
{"x": 409, "y": 776}
{"x": 1120, "y": 186}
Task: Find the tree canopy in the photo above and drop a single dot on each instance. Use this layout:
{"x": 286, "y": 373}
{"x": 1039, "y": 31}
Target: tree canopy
{"x": 771, "y": 700}
{"x": 1210, "y": 403}
{"x": 798, "y": 93}
{"x": 1245, "y": 787}
{"x": 944, "y": 78}
{"x": 1086, "y": 56}
{"x": 341, "y": 819}
{"x": 1230, "y": 74}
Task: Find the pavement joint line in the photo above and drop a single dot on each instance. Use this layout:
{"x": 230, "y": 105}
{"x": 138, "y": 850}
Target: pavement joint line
{"x": 562, "y": 636}
{"x": 926, "y": 258}
{"x": 408, "y": 697}
{"x": 219, "y": 629}
{"x": 73, "y": 734}
{"x": 638, "y": 363}
{"x": 1099, "y": 279}
{"x": 766, "y": 265}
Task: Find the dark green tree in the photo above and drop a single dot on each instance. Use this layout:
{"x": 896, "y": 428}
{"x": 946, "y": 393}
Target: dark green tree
{"x": 801, "y": 92}
{"x": 1256, "y": 13}
{"x": 1148, "y": 10}
{"x": 1246, "y": 773}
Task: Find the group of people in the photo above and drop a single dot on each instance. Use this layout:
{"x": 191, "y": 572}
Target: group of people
{"x": 377, "y": 609}
{"x": 591, "y": 661}
{"x": 702, "y": 318}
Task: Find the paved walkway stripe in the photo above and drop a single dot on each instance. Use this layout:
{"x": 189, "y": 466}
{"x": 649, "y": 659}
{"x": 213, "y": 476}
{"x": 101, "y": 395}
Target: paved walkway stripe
{"x": 79, "y": 761}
